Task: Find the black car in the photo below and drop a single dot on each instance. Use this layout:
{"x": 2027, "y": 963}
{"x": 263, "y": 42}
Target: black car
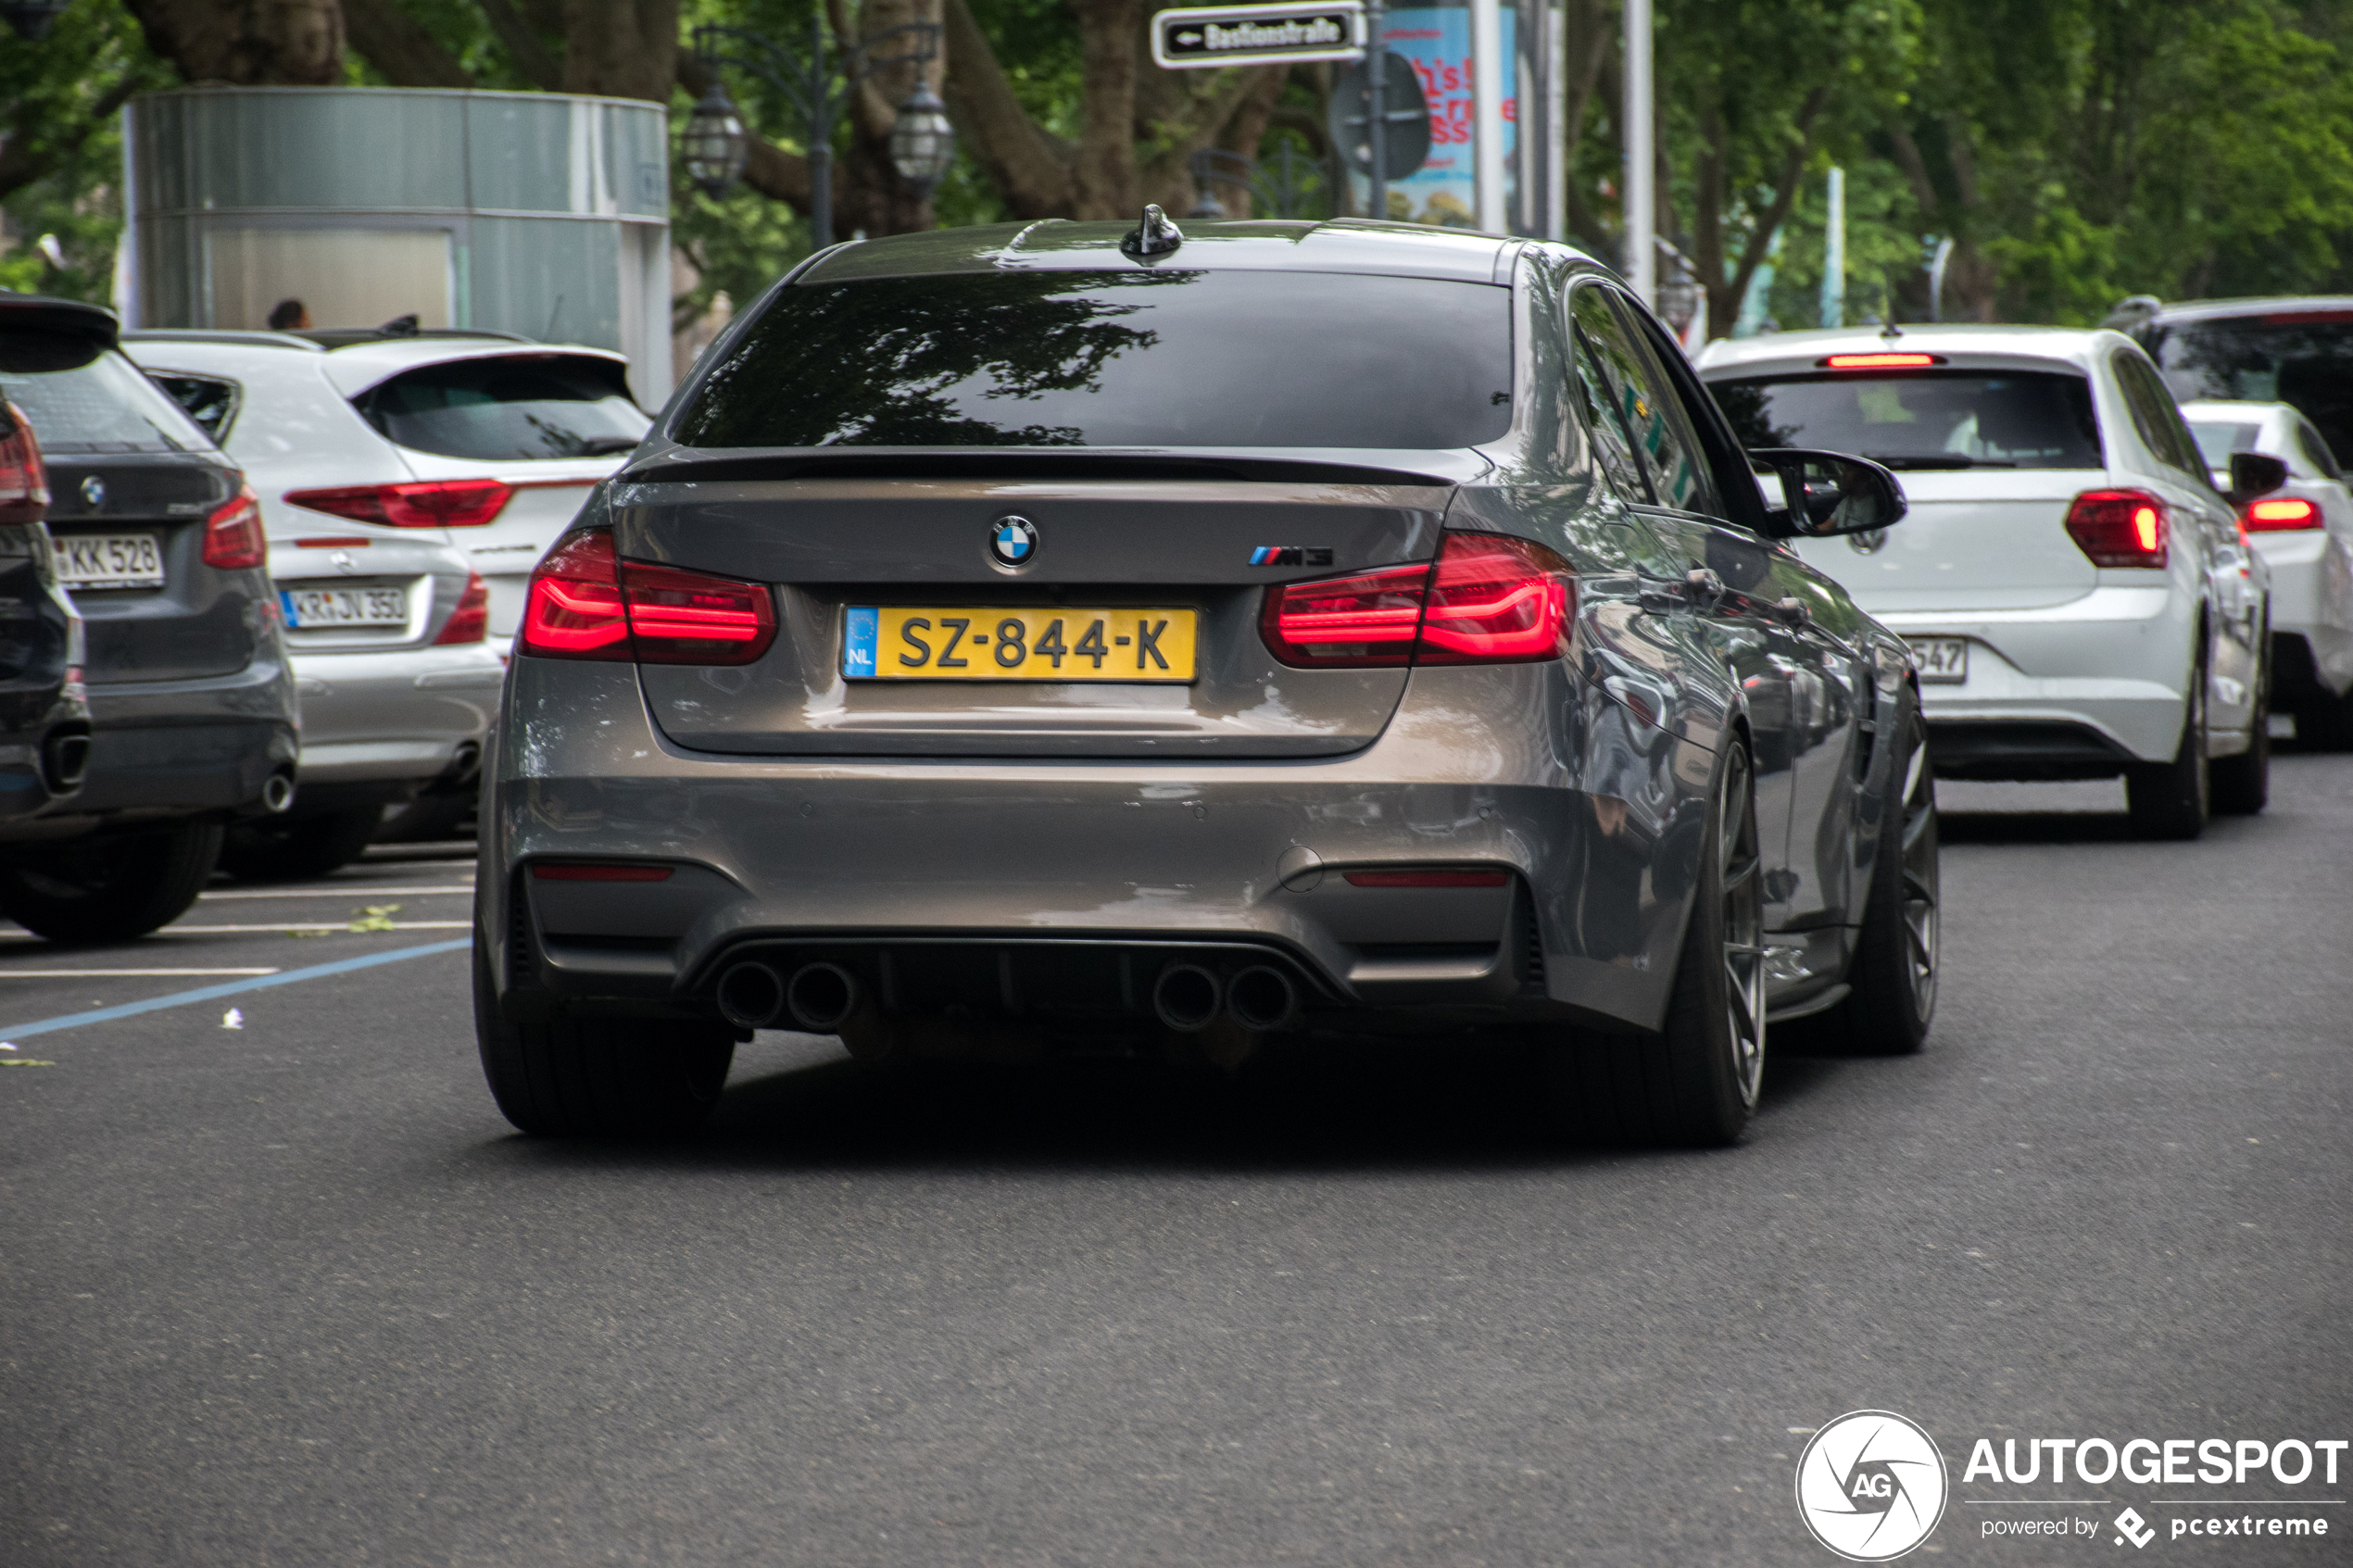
{"x": 190, "y": 717}
{"x": 45, "y": 709}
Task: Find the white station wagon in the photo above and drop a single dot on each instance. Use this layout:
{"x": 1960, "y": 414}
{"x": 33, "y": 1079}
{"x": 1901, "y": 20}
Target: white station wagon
{"x": 2080, "y": 596}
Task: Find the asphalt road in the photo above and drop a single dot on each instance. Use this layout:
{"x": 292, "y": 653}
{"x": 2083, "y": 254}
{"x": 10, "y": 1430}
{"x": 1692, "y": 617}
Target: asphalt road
{"x": 293, "y": 1294}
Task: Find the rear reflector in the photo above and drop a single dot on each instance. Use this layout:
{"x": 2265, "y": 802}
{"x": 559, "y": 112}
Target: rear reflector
{"x": 440, "y": 503}
{"x": 334, "y": 541}
{"x": 587, "y": 604}
{"x": 470, "y": 622}
{"x": 1880, "y": 361}
{"x": 2282, "y": 515}
{"x": 233, "y": 539}
{"x": 1427, "y": 879}
{"x": 2119, "y": 527}
{"x": 576, "y": 871}
{"x": 1487, "y": 598}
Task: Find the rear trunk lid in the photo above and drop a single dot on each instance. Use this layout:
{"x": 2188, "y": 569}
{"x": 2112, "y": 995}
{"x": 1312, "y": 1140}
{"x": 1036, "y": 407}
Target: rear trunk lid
{"x": 1110, "y": 534}
{"x": 1981, "y": 539}
{"x": 129, "y": 530}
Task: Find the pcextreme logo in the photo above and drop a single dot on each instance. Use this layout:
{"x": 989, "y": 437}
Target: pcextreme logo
{"x": 1871, "y": 1485}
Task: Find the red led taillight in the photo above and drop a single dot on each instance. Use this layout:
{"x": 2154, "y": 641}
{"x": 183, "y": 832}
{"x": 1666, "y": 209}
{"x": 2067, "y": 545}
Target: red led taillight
{"x": 1497, "y": 600}
{"x": 1356, "y": 623}
{"x": 439, "y": 503}
{"x": 24, "y": 482}
{"x": 470, "y": 622}
{"x": 2119, "y": 527}
{"x": 1427, "y": 879}
{"x": 2283, "y": 516}
{"x": 586, "y": 603}
{"x": 1487, "y": 599}
{"x": 232, "y": 536}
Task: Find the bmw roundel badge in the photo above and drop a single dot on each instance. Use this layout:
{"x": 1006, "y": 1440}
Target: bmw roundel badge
{"x": 94, "y": 493}
{"x": 1013, "y": 541}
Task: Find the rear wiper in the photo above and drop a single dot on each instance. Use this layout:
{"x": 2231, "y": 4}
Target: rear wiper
{"x": 1939, "y": 460}
{"x": 606, "y": 445}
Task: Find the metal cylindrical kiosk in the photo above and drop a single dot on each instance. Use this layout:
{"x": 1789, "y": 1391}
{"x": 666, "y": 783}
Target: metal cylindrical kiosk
{"x": 534, "y": 213}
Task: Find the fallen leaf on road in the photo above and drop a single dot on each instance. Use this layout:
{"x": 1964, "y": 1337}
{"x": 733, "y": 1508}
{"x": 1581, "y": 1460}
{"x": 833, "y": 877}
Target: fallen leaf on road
{"x": 375, "y": 917}
{"x": 25, "y": 1062}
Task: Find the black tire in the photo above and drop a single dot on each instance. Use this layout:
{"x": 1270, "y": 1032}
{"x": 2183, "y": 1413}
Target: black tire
{"x": 2175, "y": 799}
{"x": 298, "y": 848}
{"x": 2325, "y": 724}
{"x": 598, "y": 1077}
{"x": 1893, "y": 999}
{"x": 2243, "y": 784}
{"x": 110, "y": 889}
{"x": 1694, "y": 1085}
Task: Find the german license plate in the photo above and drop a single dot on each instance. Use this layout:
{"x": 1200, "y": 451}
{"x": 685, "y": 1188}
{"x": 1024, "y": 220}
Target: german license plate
{"x": 314, "y": 608}
{"x": 1940, "y": 659}
{"x": 109, "y": 560}
{"x": 884, "y": 643}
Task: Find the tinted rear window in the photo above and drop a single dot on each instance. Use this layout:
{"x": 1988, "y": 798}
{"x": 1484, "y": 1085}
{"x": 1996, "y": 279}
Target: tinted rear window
{"x": 2301, "y": 358}
{"x": 1923, "y": 419}
{"x": 2217, "y": 442}
{"x": 84, "y": 398}
{"x": 496, "y": 409}
{"x": 1126, "y": 359}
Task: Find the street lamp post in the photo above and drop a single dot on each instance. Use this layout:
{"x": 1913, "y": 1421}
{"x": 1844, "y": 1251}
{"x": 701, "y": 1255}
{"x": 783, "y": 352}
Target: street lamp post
{"x": 923, "y": 143}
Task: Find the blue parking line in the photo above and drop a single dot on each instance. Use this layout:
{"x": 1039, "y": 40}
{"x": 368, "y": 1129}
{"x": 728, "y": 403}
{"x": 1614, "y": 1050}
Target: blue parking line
{"x": 210, "y": 993}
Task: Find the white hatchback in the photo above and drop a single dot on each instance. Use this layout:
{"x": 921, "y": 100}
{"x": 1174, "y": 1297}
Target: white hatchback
{"x": 2304, "y": 532}
{"x": 2079, "y": 595}
{"x": 407, "y": 486}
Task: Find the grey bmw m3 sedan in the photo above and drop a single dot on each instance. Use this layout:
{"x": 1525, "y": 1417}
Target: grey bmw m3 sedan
{"x": 1083, "y": 633}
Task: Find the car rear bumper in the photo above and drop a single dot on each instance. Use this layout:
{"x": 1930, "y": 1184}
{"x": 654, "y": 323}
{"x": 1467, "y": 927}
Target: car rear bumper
{"x": 180, "y": 749}
{"x": 396, "y": 717}
{"x": 2109, "y": 668}
{"x": 1046, "y": 884}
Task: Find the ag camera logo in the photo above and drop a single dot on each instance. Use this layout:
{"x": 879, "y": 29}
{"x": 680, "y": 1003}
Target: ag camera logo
{"x": 1871, "y": 1485}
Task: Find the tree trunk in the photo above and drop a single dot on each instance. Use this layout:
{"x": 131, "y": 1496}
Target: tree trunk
{"x": 620, "y": 48}
{"x": 246, "y": 43}
{"x": 1104, "y": 176}
{"x": 396, "y": 43}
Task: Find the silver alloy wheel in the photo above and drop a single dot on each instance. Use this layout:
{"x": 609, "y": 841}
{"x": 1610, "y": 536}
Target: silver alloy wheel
{"x": 1741, "y": 870}
{"x": 1921, "y": 882}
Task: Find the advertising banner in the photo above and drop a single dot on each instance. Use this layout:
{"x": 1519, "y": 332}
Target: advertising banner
{"x": 1437, "y": 41}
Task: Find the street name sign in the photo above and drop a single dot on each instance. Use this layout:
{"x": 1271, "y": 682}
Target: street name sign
{"x": 1208, "y": 37}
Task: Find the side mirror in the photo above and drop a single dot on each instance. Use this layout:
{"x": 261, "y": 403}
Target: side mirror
{"x": 1826, "y": 494}
{"x": 2253, "y": 474}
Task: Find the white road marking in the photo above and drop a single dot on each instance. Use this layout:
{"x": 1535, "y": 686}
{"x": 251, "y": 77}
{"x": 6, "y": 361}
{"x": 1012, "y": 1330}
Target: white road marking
{"x": 340, "y": 890}
{"x": 113, "y": 973}
{"x": 329, "y": 925}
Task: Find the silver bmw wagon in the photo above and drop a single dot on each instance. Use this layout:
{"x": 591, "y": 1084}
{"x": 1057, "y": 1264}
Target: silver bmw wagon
{"x": 1014, "y": 639}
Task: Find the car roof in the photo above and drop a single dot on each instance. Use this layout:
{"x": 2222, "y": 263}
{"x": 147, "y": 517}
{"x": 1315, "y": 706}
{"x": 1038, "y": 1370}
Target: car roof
{"x": 43, "y": 313}
{"x": 2244, "y": 410}
{"x": 1348, "y": 244}
{"x": 1963, "y": 345}
{"x": 2213, "y": 309}
{"x": 351, "y": 369}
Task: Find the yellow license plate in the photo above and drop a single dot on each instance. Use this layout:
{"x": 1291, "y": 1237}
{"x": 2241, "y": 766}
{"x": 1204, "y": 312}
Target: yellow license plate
{"x": 967, "y": 644}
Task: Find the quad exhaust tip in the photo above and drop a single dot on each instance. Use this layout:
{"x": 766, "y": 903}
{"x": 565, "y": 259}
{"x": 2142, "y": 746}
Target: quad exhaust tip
{"x": 822, "y": 997}
{"x": 1186, "y": 997}
{"x": 750, "y": 995}
{"x": 1262, "y": 997}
